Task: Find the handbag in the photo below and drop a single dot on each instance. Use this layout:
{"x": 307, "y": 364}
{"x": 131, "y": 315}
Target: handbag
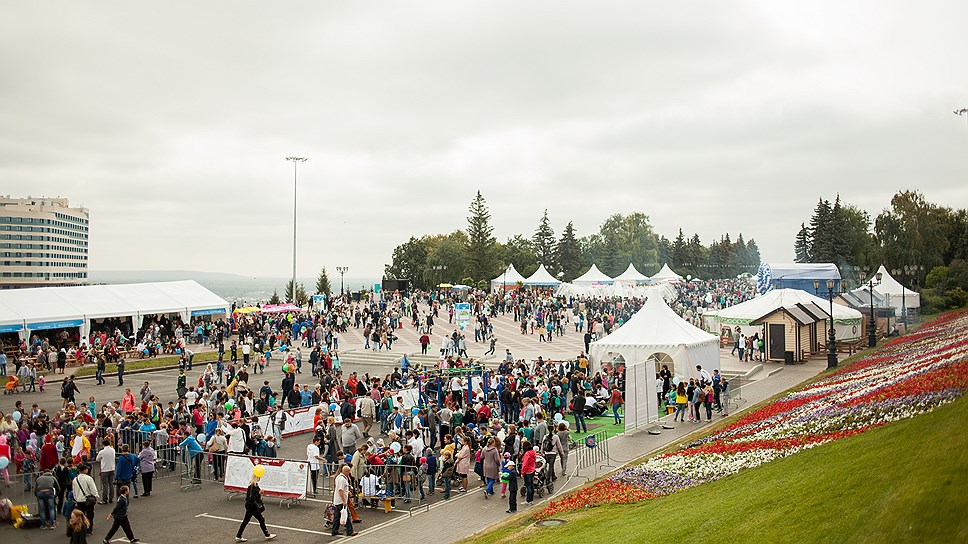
{"x": 90, "y": 500}
{"x": 407, "y": 478}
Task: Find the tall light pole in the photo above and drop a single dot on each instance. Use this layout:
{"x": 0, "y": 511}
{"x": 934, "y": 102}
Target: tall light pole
{"x": 342, "y": 270}
{"x": 295, "y": 164}
{"x": 832, "y": 333}
{"x": 872, "y": 326}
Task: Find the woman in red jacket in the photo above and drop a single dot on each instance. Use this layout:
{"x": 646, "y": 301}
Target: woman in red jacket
{"x": 48, "y": 453}
{"x": 527, "y": 470}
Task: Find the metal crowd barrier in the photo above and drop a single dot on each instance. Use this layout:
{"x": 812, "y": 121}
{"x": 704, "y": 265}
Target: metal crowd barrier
{"x": 593, "y": 452}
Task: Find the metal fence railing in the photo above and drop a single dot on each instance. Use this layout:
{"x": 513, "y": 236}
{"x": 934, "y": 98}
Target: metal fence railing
{"x": 592, "y": 452}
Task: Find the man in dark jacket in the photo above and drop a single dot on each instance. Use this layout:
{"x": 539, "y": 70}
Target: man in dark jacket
{"x": 578, "y": 410}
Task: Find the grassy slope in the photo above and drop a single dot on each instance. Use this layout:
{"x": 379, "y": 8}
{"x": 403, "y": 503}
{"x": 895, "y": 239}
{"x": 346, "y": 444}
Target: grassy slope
{"x": 904, "y": 482}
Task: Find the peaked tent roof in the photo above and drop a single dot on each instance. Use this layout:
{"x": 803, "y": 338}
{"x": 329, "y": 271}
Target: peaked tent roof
{"x": 743, "y": 313}
{"x": 890, "y": 286}
{"x": 594, "y": 275}
{"x": 541, "y": 276}
{"x": 631, "y": 274}
{"x": 656, "y": 324}
{"x": 510, "y": 275}
{"x": 665, "y": 274}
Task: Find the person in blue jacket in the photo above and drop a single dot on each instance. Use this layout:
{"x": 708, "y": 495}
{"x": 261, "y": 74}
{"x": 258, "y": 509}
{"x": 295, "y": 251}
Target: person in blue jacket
{"x": 194, "y": 450}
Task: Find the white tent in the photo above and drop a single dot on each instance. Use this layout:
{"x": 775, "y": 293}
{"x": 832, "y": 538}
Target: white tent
{"x": 541, "y": 278}
{"x": 896, "y": 295}
{"x": 510, "y": 276}
{"x": 594, "y": 276}
{"x": 631, "y": 275}
{"x": 666, "y": 274}
{"x": 652, "y": 336}
{"x": 847, "y": 321}
{"x": 45, "y": 308}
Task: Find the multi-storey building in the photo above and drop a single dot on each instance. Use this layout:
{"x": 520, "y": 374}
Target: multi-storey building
{"x": 43, "y": 242}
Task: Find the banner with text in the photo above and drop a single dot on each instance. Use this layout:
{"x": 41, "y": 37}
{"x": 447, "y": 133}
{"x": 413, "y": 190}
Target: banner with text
{"x": 298, "y": 421}
{"x": 282, "y": 478}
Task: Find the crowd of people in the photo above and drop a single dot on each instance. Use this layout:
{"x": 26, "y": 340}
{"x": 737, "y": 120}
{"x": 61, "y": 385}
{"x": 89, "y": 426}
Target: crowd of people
{"x": 504, "y": 423}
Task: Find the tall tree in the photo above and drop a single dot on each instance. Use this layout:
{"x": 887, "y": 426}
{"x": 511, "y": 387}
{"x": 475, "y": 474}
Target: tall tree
{"x": 519, "y": 252}
{"x": 634, "y": 242}
{"x": 410, "y": 262}
{"x": 322, "y": 283}
{"x": 274, "y": 299}
{"x": 678, "y": 252}
{"x": 822, "y": 240}
{"x": 544, "y": 244}
{"x": 801, "y": 247}
{"x": 300, "y": 296}
{"x": 447, "y": 252}
{"x": 480, "y": 252}
{"x": 569, "y": 254}
{"x": 912, "y": 232}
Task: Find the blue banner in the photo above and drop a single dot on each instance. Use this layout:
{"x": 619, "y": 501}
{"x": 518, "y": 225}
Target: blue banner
{"x": 48, "y": 325}
{"x": 17, "y": 327}
{"x": 211, "y": 311}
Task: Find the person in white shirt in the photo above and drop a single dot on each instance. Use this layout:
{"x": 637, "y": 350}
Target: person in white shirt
{"x": 84, "y": 487}
{"x": 341, "y": 497}
{"x": 106, "y": 458}
{"x": 313, "y": 456}
{"x": 236, "y": 438}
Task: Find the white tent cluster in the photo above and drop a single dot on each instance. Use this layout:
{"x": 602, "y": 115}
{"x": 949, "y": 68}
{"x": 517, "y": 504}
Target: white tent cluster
{"x": 847, "y": 321}
{"x": 25, "y": 311}
{"x": 593, "y": 282}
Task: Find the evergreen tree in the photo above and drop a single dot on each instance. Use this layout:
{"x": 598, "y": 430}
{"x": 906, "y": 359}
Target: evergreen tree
{"x": 678, "y": 252}
{"x": 480, "y": 253}
{"x": 544, "y": 244}
{"x": 752, "y": 256}
{"x": 821, "y": 238}
{"x": 322, "y": 283}
{"x": 300, "y": 297}
{"x": 801, "y": 246}
{"x": 274, "y": 299}
{"x": 569, "y": 254}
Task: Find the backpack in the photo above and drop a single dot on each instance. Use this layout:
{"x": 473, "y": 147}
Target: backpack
{"x": 385, "y": 404}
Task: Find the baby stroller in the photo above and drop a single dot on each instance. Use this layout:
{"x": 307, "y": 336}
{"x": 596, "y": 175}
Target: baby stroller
{"x": 542, "y": 476}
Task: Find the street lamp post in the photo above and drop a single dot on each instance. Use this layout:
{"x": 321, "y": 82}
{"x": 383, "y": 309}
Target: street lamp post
{"x": 342, "y": 270}
{"x": 295, "y": 164}
{"x": 831, "y": 333}
{"x": 872, "y": 325}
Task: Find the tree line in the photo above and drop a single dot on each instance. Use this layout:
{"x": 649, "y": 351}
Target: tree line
{"x": 474, "y": 256}
{"x": 924, "y": 243}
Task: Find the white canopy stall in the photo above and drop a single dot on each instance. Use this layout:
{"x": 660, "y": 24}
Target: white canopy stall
{"x": 631, "y": 275}
{"x": 847, "y": 321}
{"x": 653, "y": 336}
{"x": 509, "y": 277}
{"x": 896, "y": 295}
{"x": 541, "y": 278}
{"x": 666, "y": 275}
{"x": 593, "y": 276}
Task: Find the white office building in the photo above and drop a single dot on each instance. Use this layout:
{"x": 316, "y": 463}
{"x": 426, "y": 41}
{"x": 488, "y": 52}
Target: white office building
{"x": 43, "y": 242}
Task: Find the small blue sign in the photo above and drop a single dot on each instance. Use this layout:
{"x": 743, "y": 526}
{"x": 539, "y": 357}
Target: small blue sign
{"x": 211, "y": 311}
{"x": 17, "y": 327}
{"x": 48, "y": 325}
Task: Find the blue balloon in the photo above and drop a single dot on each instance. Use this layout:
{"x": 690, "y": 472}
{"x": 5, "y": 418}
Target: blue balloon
{"x": 470, "y": 425}
{"x": 414, "y": 411}
{"x": 178, "y": 351}
{"x": 282, "y": 348}
{"x": 348, "y": 458}
{"x": 4, "y": 462}
{"x": 333, "y": 406}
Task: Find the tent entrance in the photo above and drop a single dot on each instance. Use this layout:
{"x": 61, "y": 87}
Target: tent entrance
{"x": 659, "y": 358}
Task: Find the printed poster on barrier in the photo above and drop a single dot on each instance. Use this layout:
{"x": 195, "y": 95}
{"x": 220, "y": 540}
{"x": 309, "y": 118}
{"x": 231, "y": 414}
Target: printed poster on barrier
{"x": 411, "y": 398}
{"x": 283, "y": 477}
{"x": 462, "y": 314}
{"x": 298, "y": 421}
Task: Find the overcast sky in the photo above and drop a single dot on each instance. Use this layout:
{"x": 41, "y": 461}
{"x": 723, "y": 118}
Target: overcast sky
{"x": 171, "y": 121}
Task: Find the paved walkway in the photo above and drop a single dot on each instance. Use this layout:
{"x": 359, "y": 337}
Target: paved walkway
{"x": 469, "y": 514}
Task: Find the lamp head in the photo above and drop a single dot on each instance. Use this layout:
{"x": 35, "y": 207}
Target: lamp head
{"x": 830, "y": 285}
{"x": 816, "y": 285}
{"x": 878, "y": 276}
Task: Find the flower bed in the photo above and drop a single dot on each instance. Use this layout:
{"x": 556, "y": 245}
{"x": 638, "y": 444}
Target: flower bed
{"x": 911, "y": 375}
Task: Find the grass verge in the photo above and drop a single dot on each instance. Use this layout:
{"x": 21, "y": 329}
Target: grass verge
{"x": 904, "y": 482}
{"x": 144, "y": 364}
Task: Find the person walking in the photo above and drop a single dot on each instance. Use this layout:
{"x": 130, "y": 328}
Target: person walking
{"x": 491, "y": 458}
{"x": 341, "y": 499}
{"x": 313, "y": 457}
{"x": 85, "y": 494}
{"x": 45, "y": 489}
{"x": 578, "y": 410}
{"x": 120, "y": 515}
{"x": 254, "y": 508}
{"x": 146, "y": 459}
{"x": 106, "y": 457}
{"x": 616, "y": 401}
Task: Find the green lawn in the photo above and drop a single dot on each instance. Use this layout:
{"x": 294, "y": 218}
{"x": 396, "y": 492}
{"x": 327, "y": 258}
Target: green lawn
{"x": 141, "y": 364}
{"x": 904, "y": 482}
